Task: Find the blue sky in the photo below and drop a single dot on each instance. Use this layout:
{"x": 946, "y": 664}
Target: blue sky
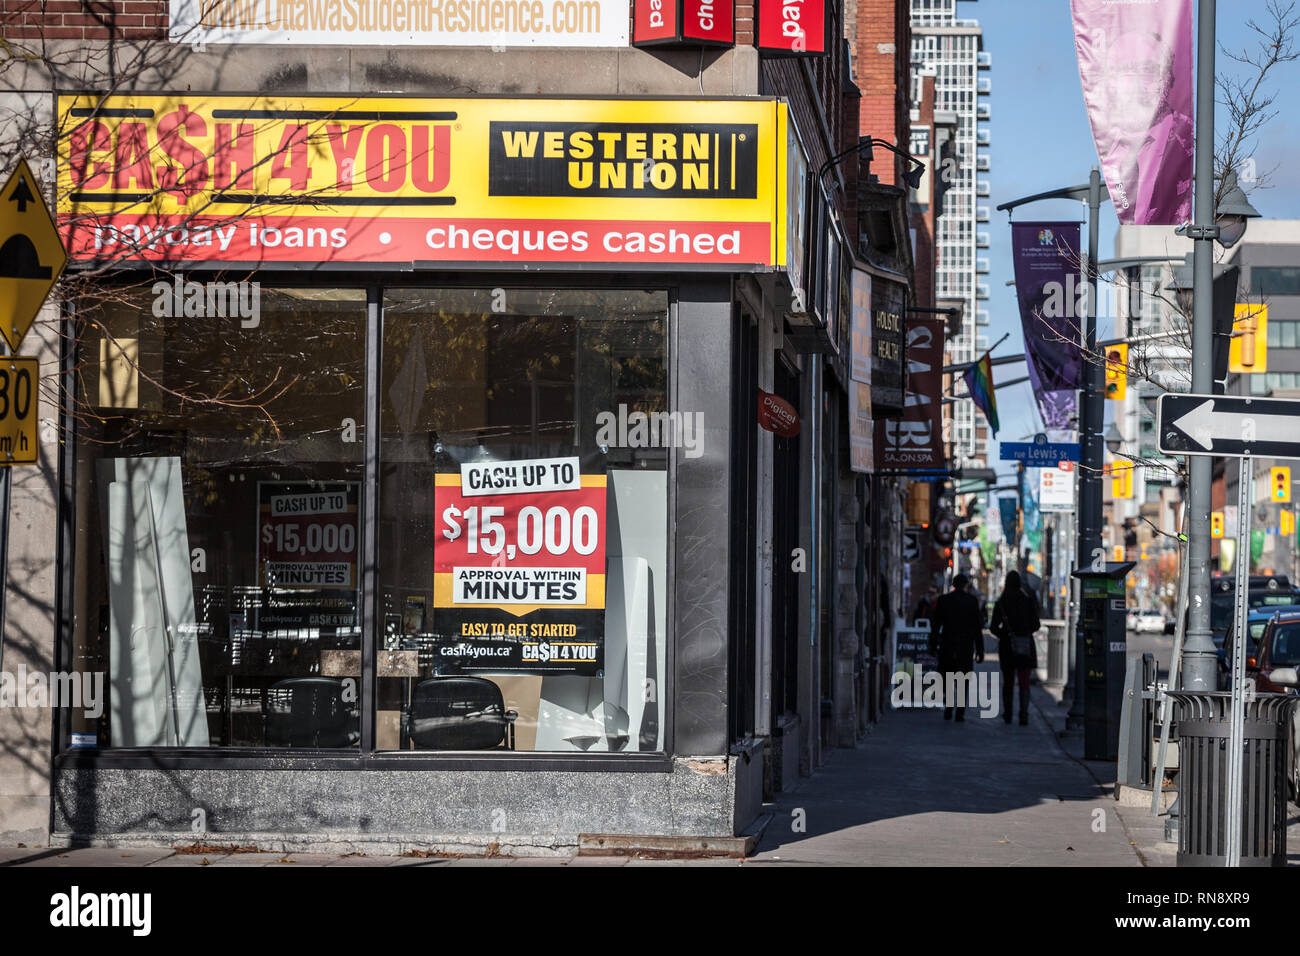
{"x": 1041, "y": 140}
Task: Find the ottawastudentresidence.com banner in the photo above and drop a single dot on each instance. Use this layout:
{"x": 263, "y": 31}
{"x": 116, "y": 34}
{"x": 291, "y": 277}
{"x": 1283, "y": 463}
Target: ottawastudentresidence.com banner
{"x": 325, "y": 181}
{"x": 1135, "y": 61}
{"x": 495, "y": 23}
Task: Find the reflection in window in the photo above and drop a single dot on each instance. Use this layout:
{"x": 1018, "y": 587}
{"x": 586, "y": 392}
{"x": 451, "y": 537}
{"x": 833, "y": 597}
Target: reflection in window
{"x": 523, "y": 514}
{"x": 218, "y": 504}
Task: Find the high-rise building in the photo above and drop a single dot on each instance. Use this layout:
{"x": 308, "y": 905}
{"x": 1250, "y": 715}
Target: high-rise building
{"x": 950, "y": 49}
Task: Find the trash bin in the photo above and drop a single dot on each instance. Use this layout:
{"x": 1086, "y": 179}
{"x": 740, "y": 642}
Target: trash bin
{"x": 1204, "y": 725}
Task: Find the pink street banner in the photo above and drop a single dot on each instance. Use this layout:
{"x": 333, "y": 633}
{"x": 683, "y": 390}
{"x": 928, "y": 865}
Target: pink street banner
{"x": 1135, "y": 60}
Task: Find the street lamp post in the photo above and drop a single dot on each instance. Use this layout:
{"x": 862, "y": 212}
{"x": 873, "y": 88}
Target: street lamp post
{"x": 1199, "y": 658}
{"x": 1091, "y": 415}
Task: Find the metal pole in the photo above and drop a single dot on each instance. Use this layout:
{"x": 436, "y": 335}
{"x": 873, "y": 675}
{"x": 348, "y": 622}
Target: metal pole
{"x": 1164, "y": 703}
{"x": 1199, "y": 658}
{"x": 1092, "y": 411}
{"x": 1236, "y": 742}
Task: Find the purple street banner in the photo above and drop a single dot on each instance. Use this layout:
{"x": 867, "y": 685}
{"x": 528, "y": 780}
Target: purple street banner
{"x": 915, "y": 441}
{"x": 1135, "y": 61}
{"x": 1052, "y": 298}
{"x": 1058, "y": 407}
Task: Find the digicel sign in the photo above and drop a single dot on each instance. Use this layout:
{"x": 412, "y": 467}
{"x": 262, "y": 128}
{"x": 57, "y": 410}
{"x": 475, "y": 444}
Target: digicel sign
{"x": 795, "y": 27}
{"x": 697, "y": 22}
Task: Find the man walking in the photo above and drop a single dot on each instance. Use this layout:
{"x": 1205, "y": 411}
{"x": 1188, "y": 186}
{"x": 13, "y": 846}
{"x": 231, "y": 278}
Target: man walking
{"x": 957, "y": 637}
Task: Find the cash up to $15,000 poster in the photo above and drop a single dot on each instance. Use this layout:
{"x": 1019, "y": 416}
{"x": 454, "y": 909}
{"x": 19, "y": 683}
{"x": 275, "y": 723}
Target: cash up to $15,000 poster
{"x": 519, "y": 567}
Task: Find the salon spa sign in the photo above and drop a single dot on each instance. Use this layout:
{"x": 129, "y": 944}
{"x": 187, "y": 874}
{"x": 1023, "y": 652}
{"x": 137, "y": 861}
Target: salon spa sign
{"x": 338, "y": 181}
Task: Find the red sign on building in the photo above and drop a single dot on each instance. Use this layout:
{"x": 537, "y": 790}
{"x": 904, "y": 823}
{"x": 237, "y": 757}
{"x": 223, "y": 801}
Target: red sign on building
{"x": 694, "y": 22}
{"x": 793, "y": 27}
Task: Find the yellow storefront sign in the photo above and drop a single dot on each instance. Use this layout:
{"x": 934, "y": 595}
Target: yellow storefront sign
{"x": 200, "y": 178}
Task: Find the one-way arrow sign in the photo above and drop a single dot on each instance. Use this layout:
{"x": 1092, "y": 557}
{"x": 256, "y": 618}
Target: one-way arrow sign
{"x": 1229, "y": 427}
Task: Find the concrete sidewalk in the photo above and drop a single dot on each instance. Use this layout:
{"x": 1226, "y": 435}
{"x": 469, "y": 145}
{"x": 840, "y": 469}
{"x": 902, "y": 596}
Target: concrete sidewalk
{"x": 922, "y": 791}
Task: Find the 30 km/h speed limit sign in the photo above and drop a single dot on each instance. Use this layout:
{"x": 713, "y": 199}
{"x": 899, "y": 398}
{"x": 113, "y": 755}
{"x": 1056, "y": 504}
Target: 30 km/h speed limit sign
{"x": 19, "y": 404}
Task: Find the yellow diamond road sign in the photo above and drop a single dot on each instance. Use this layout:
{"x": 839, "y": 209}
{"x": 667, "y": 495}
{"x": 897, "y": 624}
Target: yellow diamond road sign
{"x": 31, "y": 255}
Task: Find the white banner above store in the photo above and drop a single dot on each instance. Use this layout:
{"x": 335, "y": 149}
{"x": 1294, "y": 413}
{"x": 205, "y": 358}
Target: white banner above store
{"x": 492, "y": 23}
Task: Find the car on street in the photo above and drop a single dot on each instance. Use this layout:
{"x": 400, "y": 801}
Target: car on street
{"x": 1263, "y": 590}
{"x": 1256, "y": 621}
{"x": 1273, "y": 666}
{"x": 1150, "y": 622}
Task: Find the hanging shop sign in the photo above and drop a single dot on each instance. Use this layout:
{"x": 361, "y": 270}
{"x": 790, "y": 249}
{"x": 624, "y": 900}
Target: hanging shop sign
{"x": 495, "y": 23}
{"x": 323, "y": 181}
{"x": 796, "y": 219}
{"x": 777, "y": 415}
{"x": 861, "y": 424}
{"x": 914, "y": 440}
{"x": 888, "y": 374}
{"x": 519, "y": 568}
{"x": 696, "y": 22}
{"x": 792, "y": 27}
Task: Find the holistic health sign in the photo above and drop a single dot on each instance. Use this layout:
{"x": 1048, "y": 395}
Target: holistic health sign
{"x": 1135, "y": 61}
{"x": 495, "y": 23}
{"x": 335, "y": 181}
{"x": 519, "y": 567}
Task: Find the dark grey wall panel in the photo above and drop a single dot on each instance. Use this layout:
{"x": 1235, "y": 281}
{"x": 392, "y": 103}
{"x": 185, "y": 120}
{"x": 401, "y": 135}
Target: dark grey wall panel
{"x": 702, "y": 347}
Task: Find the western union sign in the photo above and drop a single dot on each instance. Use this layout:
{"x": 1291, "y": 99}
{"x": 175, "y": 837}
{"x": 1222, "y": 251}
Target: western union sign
{"x": 606, "y": 159}
{"x": 329, "y": 180}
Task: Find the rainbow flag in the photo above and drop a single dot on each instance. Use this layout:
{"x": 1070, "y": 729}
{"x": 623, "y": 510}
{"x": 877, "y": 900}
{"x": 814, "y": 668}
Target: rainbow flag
{"x": 979, "y": 381}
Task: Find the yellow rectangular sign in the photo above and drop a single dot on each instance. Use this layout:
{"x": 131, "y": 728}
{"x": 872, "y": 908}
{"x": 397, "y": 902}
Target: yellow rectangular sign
{"x": 345, "y": 180}
{"x": 20, "y": 379}
{"x": 1248, "y": 348}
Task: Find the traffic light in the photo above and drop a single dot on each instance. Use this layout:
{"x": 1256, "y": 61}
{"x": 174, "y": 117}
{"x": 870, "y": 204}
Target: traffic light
{"x": 1287, "y": 525}
{"x": 1116, "y": 372}
{"x": 1281, "y": 483}
{"x": 1119, "y": 552}
{"x": 1121, "y": 479}
{"x": 1248, "y": 351}
{"x": 1216, "y": 524}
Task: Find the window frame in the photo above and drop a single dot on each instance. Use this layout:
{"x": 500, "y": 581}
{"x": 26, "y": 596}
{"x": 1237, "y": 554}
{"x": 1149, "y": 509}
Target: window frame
{"x": 365, "y": 756}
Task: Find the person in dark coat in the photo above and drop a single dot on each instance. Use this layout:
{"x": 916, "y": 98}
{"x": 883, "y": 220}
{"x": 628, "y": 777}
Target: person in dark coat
{"x": 1015, "y": 619}
{"x": 957, "y": 637}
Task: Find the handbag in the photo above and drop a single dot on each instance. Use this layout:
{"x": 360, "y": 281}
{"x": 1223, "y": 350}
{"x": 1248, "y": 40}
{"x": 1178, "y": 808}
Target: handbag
{"x": 1022, "y": 647}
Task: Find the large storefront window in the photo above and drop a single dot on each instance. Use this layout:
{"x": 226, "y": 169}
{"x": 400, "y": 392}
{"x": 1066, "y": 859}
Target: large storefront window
{"x": 523, "y": 520}
{"x": 218, "y": 505}
{"x": 522, "y": 529}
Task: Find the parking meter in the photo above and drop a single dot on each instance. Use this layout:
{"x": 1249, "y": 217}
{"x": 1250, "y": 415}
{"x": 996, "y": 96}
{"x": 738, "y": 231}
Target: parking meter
{"x": 1102, "y": 630}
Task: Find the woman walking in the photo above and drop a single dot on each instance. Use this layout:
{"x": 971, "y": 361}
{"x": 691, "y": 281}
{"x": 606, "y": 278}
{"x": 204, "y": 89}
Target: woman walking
{"x": 1015, "y": 619}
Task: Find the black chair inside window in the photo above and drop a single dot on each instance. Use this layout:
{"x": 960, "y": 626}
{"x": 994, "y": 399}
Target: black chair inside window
{"x": 311, "y": 712}
{"x": 459, "y": 713}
